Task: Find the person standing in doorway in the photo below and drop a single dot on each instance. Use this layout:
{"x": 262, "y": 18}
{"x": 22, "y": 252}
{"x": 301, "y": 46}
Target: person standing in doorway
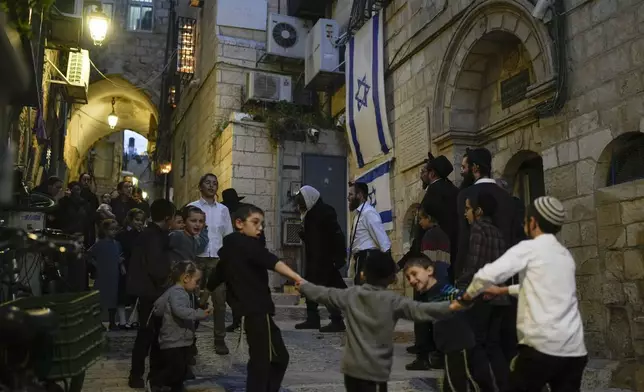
{"x": 324, "y": 249}
{"x": 147, "y": 279}
{"x": 219, "y": 225}
{"x": 369, "y": 237}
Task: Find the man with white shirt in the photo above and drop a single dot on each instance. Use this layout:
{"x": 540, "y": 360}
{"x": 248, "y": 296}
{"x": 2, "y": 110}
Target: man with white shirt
{"x": 219, "y": 225}
{"x": 369, "y": 236}
{"x": 552, "y": 349}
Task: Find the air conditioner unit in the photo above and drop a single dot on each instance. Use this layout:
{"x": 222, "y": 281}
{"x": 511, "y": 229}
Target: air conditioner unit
{"x": 66, "y": 23}
{"x": 322, "y": 61}
{"x": 268, "y": 87}
{"x": 78, "y": 76}
{"x": 286, "y": 36}
{"x": 291, "y": 232}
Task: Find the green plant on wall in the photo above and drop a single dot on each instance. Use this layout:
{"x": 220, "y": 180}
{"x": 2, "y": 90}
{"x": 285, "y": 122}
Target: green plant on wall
{"x": 19, "y": 12}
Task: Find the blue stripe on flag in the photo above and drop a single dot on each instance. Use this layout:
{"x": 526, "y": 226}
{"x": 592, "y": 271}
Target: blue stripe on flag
{"x": 375, "y": 78}
{"x": 375, "y": 173}
{"x": 387, "y": 216}
{"x": 352, "y": 124}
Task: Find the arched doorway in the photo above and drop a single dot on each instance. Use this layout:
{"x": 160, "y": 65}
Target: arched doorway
{"x": 524, "y": 173}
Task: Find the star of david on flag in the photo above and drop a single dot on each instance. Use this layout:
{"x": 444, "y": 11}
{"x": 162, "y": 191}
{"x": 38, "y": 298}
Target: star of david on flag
{"x": 367, "y": 123}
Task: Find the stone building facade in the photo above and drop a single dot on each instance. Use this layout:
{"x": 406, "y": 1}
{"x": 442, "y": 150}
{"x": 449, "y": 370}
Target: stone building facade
{"x": 452, "y": 61}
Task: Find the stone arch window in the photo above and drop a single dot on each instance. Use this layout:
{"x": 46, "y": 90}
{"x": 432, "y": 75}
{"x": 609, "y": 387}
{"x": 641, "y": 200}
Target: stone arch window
{"x": 524, "y": 173}
{"x": 140, "y": 15}
{"x": 621, "y": 161}
{"x": 184, "y": 159}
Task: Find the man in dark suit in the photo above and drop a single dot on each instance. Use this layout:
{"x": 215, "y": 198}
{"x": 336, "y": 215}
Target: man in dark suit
{"x": 484, "y": 317}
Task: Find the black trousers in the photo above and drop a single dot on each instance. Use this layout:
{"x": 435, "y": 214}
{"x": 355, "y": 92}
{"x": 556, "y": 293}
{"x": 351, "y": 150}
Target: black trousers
{"x": 487, "y": 356}
{"x": 353, "y": 384}
{"x": 509, "y": 330}
{"x": 362, "y": 259}
{"x": 331, "y": 278}
{"x": 457, "y": 376}
{"x": 174, "y": 370}
{"x": 268, "y": 357}
{"x": 146, "y": 342}
{"x": 532, "y": 370}
{"x": 423, "y": 333}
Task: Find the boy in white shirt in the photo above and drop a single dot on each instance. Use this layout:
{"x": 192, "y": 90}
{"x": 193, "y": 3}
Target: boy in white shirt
{"x": 551, "y": 336}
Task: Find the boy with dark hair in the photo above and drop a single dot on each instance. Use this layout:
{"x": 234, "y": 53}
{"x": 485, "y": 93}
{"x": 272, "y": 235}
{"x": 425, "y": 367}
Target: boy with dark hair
{"x": 551, "y": 346}
{"x": 452, "y": 336}
{"x": 435, "y": 245}
{"x": 192, "y": 240}
{"x": 371, "y": 312}
{"x": 244, "y": 264}
{"x": 486, "y": 245}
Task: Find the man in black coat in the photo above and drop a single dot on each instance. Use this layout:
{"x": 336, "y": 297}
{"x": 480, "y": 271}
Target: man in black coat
{"x": 147, "y": 278}
{"x": 325, "y": 254}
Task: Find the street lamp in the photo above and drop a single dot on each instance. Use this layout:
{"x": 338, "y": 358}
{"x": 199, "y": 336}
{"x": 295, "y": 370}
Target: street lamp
{"x": 135, "y": 181}
{"x": 98, "y": 23}
{"x": 112, "y": 118}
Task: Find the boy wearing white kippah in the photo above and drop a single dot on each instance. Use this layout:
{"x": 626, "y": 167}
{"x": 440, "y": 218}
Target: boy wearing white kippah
{"x": 551, "y": 336}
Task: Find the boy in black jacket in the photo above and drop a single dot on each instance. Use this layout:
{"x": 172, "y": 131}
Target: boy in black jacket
{"x": 243, "y": 266}
{"x": 452, "y": 335}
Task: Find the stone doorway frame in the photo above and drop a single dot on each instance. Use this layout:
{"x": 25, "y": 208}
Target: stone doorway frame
{"x": 513, "y": 17}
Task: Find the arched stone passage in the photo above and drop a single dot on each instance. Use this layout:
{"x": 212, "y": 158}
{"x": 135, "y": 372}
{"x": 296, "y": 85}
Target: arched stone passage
{"x": 409, "y": 221}
{"x": 89, "y": 122}
{"x": 524, "y": 174}
{"x": 493, "y": 39}
{"x": 621, "y": 161}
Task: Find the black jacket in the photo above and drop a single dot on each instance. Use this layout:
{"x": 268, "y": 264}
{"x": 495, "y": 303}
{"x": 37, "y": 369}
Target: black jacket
{"x": 72, "y": 215}
{"x": 440, "y": 202}
{"x": 120, "y": 209}
{"x": 127, "y": 239}
{"x": 243, "y": 265}
{"x": 505, "y": 219}
{"x": 149, "y": 269}
{"x": 451, "y": 334}
{"x": 324, "y": 243}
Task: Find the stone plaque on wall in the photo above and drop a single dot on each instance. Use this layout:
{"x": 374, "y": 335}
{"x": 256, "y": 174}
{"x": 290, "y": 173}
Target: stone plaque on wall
{"x": 413, "y": 140}
{"x": 513, "y": 90}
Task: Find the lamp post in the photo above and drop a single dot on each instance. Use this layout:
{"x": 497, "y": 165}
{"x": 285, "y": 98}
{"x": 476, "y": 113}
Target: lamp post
{"x": 98, "y": 23}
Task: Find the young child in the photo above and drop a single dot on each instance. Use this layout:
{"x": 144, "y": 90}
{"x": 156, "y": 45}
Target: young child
{"x": 486, "y": 245}
{"x": 434, "y": 244}
{"x": 192, "y": 240}
{"x": 106, "y": 255}
{"x": 452, "y": 336}
{"x": 177, "y": 222}
{"x": 178, "y": 326}
{"x": 243, "y": 266}
{"x": 104, "y": 211}
{"x": 551, "y": 346}
{"x": 371, "y": 312}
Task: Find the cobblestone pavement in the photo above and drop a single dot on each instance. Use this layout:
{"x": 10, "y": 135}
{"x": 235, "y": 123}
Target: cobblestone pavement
{"x": 314, "y": 365}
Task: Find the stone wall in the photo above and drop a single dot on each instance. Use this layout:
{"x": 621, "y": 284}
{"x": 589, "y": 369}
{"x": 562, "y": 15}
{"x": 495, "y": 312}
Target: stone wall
{"x": 430, "y": 65}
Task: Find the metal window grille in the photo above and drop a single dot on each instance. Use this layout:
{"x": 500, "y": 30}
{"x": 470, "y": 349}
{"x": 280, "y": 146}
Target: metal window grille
{"x": 186, "y": 28}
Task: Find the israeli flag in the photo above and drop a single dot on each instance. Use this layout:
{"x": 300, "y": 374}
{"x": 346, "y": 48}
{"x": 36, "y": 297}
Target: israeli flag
{"x": 379, "y": 192}
{"x": 368, "y": 128}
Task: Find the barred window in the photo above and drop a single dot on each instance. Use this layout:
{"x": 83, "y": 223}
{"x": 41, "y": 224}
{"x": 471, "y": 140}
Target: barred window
{"x": 627, "y": 160}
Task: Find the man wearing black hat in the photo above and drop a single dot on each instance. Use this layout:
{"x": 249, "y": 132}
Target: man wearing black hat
{"x": 476, "y": 169}
{"x": 232, "y": 200}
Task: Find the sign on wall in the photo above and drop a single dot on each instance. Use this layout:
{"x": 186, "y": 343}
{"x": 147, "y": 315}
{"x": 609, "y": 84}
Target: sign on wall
{"x": 412, "y": 139}
{"x": 244, "y": 14}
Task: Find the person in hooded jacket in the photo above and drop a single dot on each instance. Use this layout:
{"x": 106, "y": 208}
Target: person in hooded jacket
{"x": 324, "y": 254}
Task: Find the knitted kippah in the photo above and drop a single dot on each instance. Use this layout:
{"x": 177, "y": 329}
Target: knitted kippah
{"x": 550, "y": 209}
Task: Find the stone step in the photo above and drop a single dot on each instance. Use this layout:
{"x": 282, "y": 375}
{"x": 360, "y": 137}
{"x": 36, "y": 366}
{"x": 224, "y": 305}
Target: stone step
{"x": 413, "y": 385}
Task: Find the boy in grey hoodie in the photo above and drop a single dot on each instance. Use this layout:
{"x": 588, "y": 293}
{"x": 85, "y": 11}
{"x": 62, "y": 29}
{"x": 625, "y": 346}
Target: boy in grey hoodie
{"x": 178, "y": 326}
{"x": 371, "y": 313}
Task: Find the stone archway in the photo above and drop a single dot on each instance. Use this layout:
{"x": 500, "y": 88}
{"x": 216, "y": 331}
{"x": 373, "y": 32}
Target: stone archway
{"x": 621, "y": 161}
{"x": 524, "y": 174}
{"x": 492, "y": 38}
{"x": 88, "y": 123}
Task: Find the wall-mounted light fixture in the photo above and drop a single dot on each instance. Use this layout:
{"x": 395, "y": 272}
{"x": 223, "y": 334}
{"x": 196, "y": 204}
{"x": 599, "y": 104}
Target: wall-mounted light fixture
{"x": 112, "y": 118}
{"x": 165, "y": 168}
{"x": 186, "y": 48}
{"x": 98, "y": 23}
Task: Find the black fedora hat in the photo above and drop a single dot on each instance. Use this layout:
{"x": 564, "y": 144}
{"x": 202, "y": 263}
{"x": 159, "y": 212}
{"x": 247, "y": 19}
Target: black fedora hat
{"x": 230, "y": 196}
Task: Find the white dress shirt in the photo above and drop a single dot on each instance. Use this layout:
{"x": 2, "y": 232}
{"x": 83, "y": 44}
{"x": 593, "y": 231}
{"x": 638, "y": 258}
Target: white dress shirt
{"x": 548, "y": 318}
{"x": 218, "y": 222}
{"x": 369, "y": 231}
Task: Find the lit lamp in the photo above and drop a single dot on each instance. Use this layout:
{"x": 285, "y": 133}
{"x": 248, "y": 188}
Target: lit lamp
{"x": 135, "y": 181}
{"x": 144, "y": 194}
{"x": 98, "y": 23}
{"x": 165, "y": 168}
{"x": 112, "y": 118}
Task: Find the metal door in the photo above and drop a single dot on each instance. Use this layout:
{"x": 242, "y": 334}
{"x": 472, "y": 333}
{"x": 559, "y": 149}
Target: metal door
{"x": 328, "y": 174}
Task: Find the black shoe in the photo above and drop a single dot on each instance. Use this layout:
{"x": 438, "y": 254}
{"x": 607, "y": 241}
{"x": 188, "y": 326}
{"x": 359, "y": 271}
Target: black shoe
{"x": 308, "y": 324}
{"x": 136, "y": 382}
{"x": 190, "y": 375}
{"x": 221, "y": 348}
{"x": 419, "y": 364}
{"x": 114, "y": 327}
{"x": 437, "y": 361}
{"x": 232, "y": 328}
{"x": 334, "y": 326}
{"x": 413, "y": 349}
